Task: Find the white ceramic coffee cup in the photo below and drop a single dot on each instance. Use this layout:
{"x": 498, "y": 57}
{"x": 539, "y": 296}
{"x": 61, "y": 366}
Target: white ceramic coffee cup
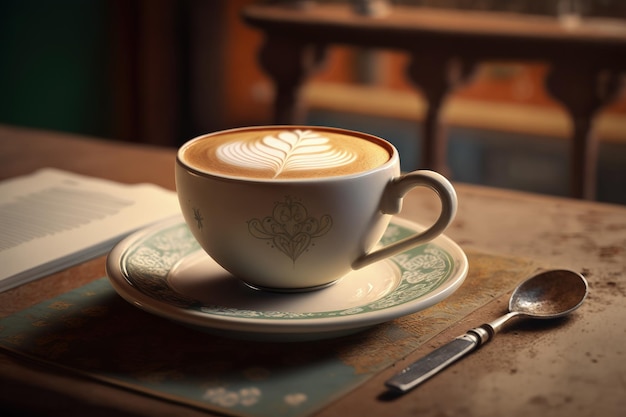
{"x": 299, "y": 234}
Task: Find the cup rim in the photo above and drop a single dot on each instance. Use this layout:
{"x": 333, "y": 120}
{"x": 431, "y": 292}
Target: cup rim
{"x": 393, "y": 158}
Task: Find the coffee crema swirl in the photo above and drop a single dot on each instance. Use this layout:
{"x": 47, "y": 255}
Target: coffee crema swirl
{"x": 285, "y": 154}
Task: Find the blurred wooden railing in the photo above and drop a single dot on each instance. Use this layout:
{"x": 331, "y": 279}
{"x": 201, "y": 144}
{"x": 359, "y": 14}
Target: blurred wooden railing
{"x": 586, "y": 61}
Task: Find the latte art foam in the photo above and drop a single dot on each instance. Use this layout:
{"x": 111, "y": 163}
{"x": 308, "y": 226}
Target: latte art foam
{"x": 281, "y": 154}
{"x": 288, "y": 151}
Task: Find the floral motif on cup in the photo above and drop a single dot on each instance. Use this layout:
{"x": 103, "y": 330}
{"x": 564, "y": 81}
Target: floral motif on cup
{"x": 198, "y": 218}
{"x": 289, "y": 228}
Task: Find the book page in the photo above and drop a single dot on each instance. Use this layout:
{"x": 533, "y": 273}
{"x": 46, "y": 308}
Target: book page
{"x": 53, "y": 219}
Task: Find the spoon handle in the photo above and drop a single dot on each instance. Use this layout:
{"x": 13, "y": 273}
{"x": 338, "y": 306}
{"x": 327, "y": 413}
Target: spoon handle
{"x": 431, "y": 364}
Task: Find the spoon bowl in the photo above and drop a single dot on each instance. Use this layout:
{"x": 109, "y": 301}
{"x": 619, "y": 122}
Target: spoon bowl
{"x": 550, "y": 294}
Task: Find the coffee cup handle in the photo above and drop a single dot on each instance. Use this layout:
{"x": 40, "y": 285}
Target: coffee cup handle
{"x": 392, "y": 204}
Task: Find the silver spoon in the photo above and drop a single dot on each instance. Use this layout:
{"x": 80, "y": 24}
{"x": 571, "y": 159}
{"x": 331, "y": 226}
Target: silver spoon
{"x": 548, "y": 295}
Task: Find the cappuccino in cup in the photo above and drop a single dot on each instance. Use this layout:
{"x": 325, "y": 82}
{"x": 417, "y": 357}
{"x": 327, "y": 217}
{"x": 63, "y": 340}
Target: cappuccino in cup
{"x": 286, "y": 154}
{"x": 295, "y": 208}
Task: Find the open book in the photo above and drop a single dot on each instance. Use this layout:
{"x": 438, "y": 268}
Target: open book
{"x": 52, "y": 219}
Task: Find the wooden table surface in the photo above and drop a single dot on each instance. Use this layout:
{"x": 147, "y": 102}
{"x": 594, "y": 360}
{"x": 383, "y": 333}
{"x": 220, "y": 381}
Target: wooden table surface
{"x": 573, "y": 367}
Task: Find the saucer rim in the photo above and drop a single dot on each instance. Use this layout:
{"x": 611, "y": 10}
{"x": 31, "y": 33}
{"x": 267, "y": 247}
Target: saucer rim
{"x": 272, "y": 327}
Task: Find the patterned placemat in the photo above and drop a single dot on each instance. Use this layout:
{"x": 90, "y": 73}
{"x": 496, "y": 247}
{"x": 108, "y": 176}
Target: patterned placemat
{"x": 93, "y": 332}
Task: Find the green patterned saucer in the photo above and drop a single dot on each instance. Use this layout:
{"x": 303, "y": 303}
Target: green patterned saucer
{"x": 163, "y": 270}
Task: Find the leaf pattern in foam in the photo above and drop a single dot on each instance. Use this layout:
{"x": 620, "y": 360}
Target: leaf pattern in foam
{"x": 286, "y": 151}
